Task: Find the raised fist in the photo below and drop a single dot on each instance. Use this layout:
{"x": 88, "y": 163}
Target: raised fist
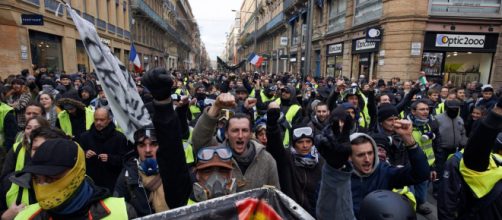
{"x": 159, "y": 82}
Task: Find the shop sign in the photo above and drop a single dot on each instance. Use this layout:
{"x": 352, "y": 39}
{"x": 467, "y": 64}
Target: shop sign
{"x": 32, "y": 19}
{"x": 460, "y": 40}
{"x": 24, "y": 52}
{"x": 335, "y": 48}
{"x": 284, "y": 41}
{"x": 373, "y": 34}
{"x": 362, "y": 44}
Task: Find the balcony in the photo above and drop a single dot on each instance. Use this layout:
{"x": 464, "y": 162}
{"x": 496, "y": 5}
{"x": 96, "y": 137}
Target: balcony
{"x": 120, "y": 32}
{"x": 88, "y": 17}
{"x": 33, "y": 2}
{"x": 127, "y": 34}
{"x": 101, "y": 24}
{"x": 288, "y": 4}
{"x": 141, "y": 6}
{"x": 276, "y": 21}
{"x": 111, "y": 28}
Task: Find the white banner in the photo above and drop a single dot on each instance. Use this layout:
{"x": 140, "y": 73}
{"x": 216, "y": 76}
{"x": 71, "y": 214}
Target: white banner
{"x": 126, "y": 104}
{"x": 460, "y": 40}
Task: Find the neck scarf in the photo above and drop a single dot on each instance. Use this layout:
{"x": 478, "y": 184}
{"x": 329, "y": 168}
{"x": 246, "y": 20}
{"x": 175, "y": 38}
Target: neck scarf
{"x": 308, "y": 161}
{"x": 54, "y": 194}
{"x": 78, "y": 201}
{"x": 154, "y": 186}
{"x": 247, "y": 157}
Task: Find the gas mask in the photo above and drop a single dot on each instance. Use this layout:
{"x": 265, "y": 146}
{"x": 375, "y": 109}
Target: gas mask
{"x": 214, "y": 187}
{"x": 149, "y": 166}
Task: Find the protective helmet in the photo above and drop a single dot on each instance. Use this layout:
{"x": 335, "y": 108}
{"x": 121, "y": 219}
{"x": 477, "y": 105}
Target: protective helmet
{"x": 386, "y": 205}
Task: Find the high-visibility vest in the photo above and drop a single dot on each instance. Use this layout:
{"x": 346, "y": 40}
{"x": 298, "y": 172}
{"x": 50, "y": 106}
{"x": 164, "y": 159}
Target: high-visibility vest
{"x": 116, "y": 207}
{"x": 195, "y": 111}
{"x": 65, "y": 123}
{"x": 4, "y": 109}
{"x": 405, "y": 191}
{"x": 425, "y": 145}
{"x": 364, "y": 115}
{"x": 13, "y": 194}
{"x": 439, "y": 108}
{"x": 293, "y": 109}
{"x": 187, "y": 147}
{"x": 481, "y": 183}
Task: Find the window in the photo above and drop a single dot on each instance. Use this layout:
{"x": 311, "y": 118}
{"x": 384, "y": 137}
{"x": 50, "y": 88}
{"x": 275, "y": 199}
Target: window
{"x": 337, "y": 10}
{"x": 367, "y": 10}
{"x": 477, "y": 8}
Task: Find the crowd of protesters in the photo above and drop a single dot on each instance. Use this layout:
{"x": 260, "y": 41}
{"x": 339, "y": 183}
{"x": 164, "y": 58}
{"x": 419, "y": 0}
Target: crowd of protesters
{"x": 341, "y": 148}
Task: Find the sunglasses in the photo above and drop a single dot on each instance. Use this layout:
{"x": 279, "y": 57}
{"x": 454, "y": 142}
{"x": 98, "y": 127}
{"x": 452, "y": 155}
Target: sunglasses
{"x": 305, "y": 131}
{"x": 206, "y": 154}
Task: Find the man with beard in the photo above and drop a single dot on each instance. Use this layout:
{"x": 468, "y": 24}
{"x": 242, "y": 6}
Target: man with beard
{"x": 320, "y": 119}
{"x": 104, "y": 148}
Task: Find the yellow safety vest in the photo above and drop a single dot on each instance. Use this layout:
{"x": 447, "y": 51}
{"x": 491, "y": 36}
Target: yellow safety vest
{"x": 364, "y": 115}
{"x": 293, "y": 109}
{"x": 195, "y": 111}
{"x": 405, "y": 191}
{"x": 65, "y": 123}
{"x": 481, "y": 183}
{"x": 13, "y": 192}
{"x": 4, "y": 109}
{"x": 439, "y": 109}
{"x": 116, "y": 206}
{"x": 425, "y": 145}
{"x": 252, "y": 94}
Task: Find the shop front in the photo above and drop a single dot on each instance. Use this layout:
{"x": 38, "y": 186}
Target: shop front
{"x": 293, "y": 63}
{"x": 46, "y": 50}
{"x": 459, "y": 57}
{"x": 364, "y": 58}
{"x": 334, "y": 59}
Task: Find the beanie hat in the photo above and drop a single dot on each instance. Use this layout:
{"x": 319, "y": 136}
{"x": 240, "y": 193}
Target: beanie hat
{"x": 386, "y": 111}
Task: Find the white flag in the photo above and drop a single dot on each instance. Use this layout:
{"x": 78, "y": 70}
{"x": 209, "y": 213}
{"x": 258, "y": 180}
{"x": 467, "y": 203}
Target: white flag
{"x": 123, "y": 98}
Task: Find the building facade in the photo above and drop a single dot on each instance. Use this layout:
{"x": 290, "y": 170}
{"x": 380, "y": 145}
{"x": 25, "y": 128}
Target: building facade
{"x": 452, "y": 41}
{"x": 54, "y": 41}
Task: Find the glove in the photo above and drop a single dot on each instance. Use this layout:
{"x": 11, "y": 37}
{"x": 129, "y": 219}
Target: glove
{"x": 273, "y": 116}
{"x": 159, "y": 82}
{"x": 335, "y": 153}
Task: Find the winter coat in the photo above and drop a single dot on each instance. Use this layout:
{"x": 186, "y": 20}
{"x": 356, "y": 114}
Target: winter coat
{"x": 262, "y": 171}
{"x": 452, "y": 132}
{"x": 130, "y": 186}
{"x": 107, "y": 141}
{"x": 298, "y": 182}
{"x": 383, "y": 176}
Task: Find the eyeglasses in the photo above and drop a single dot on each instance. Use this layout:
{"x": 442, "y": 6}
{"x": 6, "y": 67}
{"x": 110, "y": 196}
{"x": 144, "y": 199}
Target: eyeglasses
{"x": 304, "y": 131}
{"x": 206, "y": 154}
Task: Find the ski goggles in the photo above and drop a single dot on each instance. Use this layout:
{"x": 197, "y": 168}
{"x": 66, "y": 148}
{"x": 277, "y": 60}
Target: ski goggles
{"x": 302, "y": 132}
{"x": 207, "y": 153}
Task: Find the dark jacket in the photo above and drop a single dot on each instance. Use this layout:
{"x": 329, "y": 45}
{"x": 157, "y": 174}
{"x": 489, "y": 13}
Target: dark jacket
{"x": 388, "y": 177}
{"x": 298, "y": 182}
{"x": 316, "y": 125}
{"x": 107, "y": 141}
{"x": 477, "y": 157}
{"x": 171, "y": 156}
{"x": 130, "y": 187}
{"x": 450, "y": 188}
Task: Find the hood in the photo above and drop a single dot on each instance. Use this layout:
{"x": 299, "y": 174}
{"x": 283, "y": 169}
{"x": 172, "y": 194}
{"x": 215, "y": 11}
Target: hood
{"x": 76, "y": 103}
{"x": 376, "y": 161}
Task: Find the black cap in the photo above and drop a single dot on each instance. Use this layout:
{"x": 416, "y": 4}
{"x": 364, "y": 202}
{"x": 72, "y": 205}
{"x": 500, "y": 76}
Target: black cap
{"x": 386, "y": 111}
{"x": 452, "y": 103}
{"x": 53, "y": 157}
{"x": 141, "y": 134}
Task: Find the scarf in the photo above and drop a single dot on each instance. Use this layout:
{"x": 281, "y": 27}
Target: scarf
{"x": 308, "y": 161}
{"x": 154, "y": 185}
{"x": 54, "y": 194}
{"x": 247, "y": 157}
{"x": 78, "y": 201}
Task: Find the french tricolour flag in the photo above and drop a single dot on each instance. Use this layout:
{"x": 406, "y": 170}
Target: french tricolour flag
{"x": 255, "y": 59}
{"x": 134, "y": 58}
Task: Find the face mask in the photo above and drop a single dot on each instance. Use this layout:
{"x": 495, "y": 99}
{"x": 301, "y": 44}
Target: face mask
{"x": 52, "y": 195}
{"x": 149, "y": 166}
{"x": 214, "y": 187}
{"x": 452, "y": 112}
{"x": 103, "y": 101}
{"x": 200, "y": 96}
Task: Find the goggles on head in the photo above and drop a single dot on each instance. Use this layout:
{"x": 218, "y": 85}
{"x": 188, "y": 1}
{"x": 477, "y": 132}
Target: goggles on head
{"x": 206, "y": 154}
{"x": 303, "y": 131}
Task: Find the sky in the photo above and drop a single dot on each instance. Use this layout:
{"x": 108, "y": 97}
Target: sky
{"x": 214, "y": 18}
